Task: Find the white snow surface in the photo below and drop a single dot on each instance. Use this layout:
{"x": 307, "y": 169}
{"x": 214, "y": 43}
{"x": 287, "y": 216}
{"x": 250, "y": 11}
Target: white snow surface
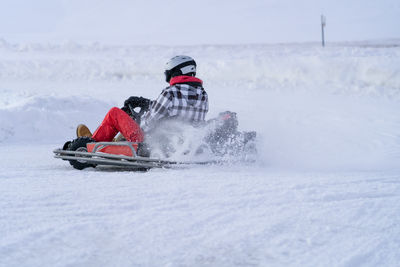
{"x": 325, "y": 190}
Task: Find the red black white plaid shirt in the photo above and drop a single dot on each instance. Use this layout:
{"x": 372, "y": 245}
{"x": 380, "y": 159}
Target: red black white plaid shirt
{"x": 185, "y": 99}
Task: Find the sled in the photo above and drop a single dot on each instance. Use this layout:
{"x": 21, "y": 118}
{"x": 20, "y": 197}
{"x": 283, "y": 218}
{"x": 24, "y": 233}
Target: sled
{"x": 222, "y": 139}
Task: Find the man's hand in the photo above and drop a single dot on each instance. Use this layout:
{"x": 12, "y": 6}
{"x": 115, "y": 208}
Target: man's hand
{"x": 135, "y": 102}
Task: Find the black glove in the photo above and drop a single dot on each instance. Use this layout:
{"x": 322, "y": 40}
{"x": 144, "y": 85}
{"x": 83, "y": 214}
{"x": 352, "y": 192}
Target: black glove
{"x": 135, "y": 102}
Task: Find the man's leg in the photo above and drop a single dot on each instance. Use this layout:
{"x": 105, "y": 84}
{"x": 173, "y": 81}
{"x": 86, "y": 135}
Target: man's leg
{"x": 116, "y": 121}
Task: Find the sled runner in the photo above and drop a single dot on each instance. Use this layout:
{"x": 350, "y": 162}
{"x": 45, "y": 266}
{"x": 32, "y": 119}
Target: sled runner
{"x": 116, "y": 154}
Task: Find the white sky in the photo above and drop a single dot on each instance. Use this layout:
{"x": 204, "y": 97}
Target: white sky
{"x": 178, "y": 22}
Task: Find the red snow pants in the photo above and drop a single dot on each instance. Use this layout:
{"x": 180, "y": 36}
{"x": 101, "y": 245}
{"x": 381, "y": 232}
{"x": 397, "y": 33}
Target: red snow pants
{"x": 116, "y": 120}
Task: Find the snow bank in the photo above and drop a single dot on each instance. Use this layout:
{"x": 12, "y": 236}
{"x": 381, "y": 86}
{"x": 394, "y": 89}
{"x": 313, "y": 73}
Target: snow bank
{"x": 45, "y": 119}
{"x": 360, "y": 68}
{"x": 312, "y": 107}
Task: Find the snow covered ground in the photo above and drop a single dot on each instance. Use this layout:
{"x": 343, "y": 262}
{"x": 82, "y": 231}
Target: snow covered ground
{"x": 325, "y": 191}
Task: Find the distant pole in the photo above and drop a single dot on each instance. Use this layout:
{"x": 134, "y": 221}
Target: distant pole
{"x": 323, "y": 23}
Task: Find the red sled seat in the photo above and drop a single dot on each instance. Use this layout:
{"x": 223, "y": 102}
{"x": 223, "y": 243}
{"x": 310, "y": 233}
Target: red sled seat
{"x": 117, "y": 148}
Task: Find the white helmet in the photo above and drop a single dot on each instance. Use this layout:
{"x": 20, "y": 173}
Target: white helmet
{"x": 180, "y": 65}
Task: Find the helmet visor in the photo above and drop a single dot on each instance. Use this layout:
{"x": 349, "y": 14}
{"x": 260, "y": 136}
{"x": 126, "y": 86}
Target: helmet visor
{"x": 167, "y": 74}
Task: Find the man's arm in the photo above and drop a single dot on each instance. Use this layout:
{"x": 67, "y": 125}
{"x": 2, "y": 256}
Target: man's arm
{"x": 158, "y": 110}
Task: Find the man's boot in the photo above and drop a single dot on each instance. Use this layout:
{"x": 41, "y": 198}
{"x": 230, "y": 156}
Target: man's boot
{"x": 83, "y": 130}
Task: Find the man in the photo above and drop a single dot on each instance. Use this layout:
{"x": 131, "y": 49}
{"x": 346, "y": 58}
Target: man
{"x": 184, "y": 99}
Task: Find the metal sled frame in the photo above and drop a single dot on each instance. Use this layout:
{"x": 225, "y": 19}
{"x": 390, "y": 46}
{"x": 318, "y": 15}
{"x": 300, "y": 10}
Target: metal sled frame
{"x": 100, "y": 158}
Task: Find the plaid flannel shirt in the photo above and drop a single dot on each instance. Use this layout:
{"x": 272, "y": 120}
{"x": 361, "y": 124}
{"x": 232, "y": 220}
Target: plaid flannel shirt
{"x": 185, "y": 99}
